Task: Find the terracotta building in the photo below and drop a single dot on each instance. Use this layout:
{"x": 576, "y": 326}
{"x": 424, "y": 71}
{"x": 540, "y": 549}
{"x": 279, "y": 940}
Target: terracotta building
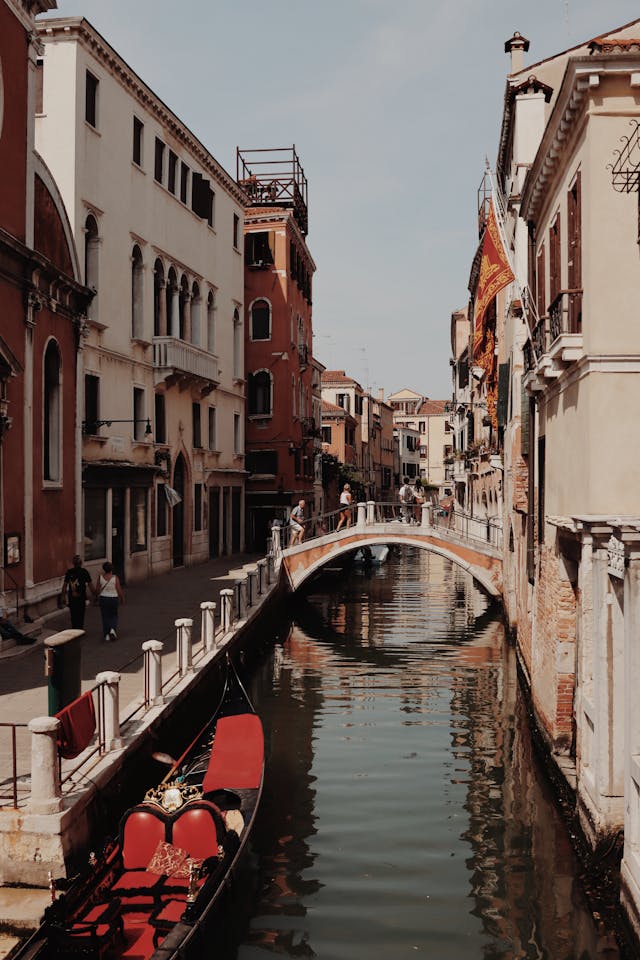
{"x": 43, "y": 305}
{"x": 282, "y": 433}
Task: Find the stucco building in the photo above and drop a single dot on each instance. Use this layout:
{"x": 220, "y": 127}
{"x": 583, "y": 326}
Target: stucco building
{"x": 159, "y": 226}
{"x": 43, "y": 305}
{"x": 283, "y": 434}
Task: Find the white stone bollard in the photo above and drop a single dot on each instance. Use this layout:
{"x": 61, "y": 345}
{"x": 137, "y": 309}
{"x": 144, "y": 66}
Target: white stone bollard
{"x": 46, "y": 793}
{"x": 153, "y": 671}
{"x": 207, "y": 625}
{"x": 371, "y": 511}
{"x": 425, "y": 518}
{"x": 270, "y": 569}
{"x": 362, "y": 515}
{"x": 252, "y": 587}
{"x": 109, "y": 682}
{"x": 262, "y": 576}
{"x": 226, "y": 607}
{"x": 184, "y": 663}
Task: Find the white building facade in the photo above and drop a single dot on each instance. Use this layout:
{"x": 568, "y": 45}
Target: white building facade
{"x": 159, "y": 225}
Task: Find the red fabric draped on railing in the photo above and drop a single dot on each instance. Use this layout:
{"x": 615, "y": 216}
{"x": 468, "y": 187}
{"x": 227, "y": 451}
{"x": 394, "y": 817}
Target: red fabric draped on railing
{"x": 77, "y": 726}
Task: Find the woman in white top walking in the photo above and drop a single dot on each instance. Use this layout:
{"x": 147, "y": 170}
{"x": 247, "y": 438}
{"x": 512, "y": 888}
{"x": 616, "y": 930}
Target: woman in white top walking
{"x": 345, "y": 506}
{"x": 108, "y": 593}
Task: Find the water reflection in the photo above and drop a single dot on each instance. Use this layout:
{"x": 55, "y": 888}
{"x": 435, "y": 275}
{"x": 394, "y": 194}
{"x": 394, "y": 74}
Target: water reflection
{"x": 403, "y": 811}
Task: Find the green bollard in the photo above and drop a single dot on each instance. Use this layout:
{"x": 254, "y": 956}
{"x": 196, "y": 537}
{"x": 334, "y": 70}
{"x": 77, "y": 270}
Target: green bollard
{"x": 63, "y": 668}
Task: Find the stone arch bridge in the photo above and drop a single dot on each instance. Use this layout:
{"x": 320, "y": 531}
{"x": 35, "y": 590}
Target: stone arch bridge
{"x": 475, "y": 545}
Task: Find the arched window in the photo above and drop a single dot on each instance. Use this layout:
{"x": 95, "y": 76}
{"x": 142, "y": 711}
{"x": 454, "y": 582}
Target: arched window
{"x": 184, "y": 314}
{"x": 91, "y": 262}
{"x": 137, "y": 300}
{"x": 196, "y": 304}
{"x": 159, "y": 301}
{"x": 52, "y": 413}
{"x": 260, "y": 320}
{"x": 260, "y": 393}
{"x": 172, "y": 301}
{"x": 211, "y": 322}
{"x": 237, "y": 345}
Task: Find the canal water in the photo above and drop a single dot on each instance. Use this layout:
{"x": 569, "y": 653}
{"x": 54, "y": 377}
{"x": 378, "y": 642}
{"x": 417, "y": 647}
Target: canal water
{"x": 404, "y": 813}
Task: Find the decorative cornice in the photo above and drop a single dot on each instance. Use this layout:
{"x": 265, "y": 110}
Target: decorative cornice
{"x": 78, "y": 29}
{"x": 581, "y": 75}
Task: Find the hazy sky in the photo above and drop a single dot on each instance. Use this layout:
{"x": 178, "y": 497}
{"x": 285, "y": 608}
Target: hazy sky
{"x": 392, "y": 105}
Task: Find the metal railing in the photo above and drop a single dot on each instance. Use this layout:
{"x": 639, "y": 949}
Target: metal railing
{"x": 12, "y": 780}
{"x": 565, "y": 313}
{"x": 478, "y": 529}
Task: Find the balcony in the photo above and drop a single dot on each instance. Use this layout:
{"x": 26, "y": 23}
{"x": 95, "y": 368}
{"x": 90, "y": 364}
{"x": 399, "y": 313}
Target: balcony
{"x": 309, "y": 428}
{"x": 565, "y": 326}
{"x": 178, "y": 362}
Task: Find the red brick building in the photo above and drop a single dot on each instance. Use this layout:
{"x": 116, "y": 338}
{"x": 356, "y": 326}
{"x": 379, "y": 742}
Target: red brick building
{"x": 42, "y": 304}
{"x": 282, "y": 438}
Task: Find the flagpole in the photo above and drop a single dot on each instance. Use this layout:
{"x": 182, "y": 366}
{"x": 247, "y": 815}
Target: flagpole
{"x": 525, "y": 295}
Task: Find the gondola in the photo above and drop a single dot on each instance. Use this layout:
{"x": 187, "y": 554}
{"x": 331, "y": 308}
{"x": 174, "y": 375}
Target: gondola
{"x": 161, "y": 879}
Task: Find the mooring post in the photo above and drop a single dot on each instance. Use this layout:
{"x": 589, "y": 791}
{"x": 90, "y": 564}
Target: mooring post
{"x": 109, "y": 682}
{"x": 262, "y": 576}
{"x": 362, "y": 515}
{"x": 153, "y": 672}
{"x": 226, "y": 604}
{"x": 207, "y": 625}
{"x": 183, "y": 645}
{"x": 46, "y": 793}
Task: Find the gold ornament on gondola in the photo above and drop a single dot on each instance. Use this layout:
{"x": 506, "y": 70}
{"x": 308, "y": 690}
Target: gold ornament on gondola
{"x": 171, "y": 796}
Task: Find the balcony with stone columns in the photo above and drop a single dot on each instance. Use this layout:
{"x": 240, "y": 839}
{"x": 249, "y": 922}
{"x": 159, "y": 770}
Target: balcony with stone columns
{"x": 177, "y": 362}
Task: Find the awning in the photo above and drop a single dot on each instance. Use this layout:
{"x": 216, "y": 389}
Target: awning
{"x": 114, "y": 473}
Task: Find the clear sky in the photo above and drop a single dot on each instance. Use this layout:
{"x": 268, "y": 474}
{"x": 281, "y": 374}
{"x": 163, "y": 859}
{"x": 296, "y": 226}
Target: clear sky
{"x": 392, "y": 105}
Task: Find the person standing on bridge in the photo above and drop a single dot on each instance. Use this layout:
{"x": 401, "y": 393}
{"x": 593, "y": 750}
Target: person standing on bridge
{"x": 405, "y": 495}
{"x": 296, "y": 522}
{"x": 345, "y": 507}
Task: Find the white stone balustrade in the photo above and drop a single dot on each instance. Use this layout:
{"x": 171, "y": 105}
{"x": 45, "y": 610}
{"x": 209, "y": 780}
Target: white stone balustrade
{"x": 426, "y": 515}
{"x": 109, "y": 683}
{"x": 226, "y": 608}
{"x": 207, "y": 625}
{"x": 252, "y": 587}
{"x": 262, "y": 576}
{"x": 153, "y": 671}
{"x": 371, "y": 511}
{"x": 184, "y": 660}
{"x": 362, "y": 515}
{"x": 46, "y": 793}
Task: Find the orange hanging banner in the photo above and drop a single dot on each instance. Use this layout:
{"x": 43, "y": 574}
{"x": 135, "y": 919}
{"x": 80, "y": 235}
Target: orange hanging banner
{"x": 495, "y": 273}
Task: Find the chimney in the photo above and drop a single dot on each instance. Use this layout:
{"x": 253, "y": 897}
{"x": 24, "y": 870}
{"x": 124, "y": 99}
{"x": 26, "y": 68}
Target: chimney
{"x": 517, "y": 46}
{"x": 381, "y": 394}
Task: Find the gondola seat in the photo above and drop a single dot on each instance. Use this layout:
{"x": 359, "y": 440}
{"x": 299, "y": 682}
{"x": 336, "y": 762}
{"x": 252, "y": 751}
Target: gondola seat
{"x": 237, "y": 755}
{"x": 165, "y": 917}
{"x": 140, "y": 833}
{"x": 92, "y": 935}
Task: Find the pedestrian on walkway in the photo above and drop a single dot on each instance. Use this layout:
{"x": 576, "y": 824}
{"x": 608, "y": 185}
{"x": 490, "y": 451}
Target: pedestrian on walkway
{"x": 345, "y": 507}
{"x": 108, "y": 594}
{"x": 9, "y": 632}
{"x": 405, "y": 495}
{"x": 74, "y": 591}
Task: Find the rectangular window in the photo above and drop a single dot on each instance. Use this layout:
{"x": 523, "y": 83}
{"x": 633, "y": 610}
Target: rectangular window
{"x": 158, "y": 168}
{"x": 172, "y": 173}
{"x": 39, "y": 85}
{"x": 574, "y": 265}
{"x": 326, "y": 434}
{"x": 263, "y": 462}
{"x": 541, "y": 282}
{"x": 197, "y": 431}
{"x": 184, "y": 182}
{"x": 95, "y": 523}
{"x": 236, "y": 230}
{"x": 138, "y": 519}
{"x": 212, "y": 428}
{"x": 258, "y": 249}
{"x": 161, "y": 511}
{"x": 541, "y": 478}
{"x": 138, "y": 132}
{"x": 555, "y": 265}
{"x": 91, "y": 100}
{"x": 237, "y": 438}
{"x": 160, "y": 417}
{"x": 202, "y": 198}
{"x": 197, "y": 506}
{"x": 91, "y": 404}
{"x": 138, "y": 414}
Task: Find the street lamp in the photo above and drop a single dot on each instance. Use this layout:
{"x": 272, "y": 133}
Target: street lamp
{"x": 88, "y": 426}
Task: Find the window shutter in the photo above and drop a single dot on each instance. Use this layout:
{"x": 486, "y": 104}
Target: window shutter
{"x": 504, "y": 370}
{"x": 524, "y": 422}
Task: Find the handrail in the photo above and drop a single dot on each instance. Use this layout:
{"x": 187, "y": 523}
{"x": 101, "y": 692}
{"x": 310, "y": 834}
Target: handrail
{"x": 14, "y": 762}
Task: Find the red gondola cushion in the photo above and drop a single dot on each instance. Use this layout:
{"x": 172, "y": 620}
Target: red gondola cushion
{"x": 237, "y": 755}
{"x": 141, "y": 832}
{"x": 195, "y": 831}
{"x": 136, "y": 880}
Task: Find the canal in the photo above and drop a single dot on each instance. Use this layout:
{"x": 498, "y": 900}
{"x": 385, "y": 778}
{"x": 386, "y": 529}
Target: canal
{"x": 404, "y": 812}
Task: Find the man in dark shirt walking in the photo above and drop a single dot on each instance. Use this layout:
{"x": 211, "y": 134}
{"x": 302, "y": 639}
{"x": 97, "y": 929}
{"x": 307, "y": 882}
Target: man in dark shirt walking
{"x": 74, "y": 591}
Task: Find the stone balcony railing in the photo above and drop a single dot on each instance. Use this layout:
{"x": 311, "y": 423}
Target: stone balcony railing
{"x": 555, "y": 341}
{"x": 176, "y": 360}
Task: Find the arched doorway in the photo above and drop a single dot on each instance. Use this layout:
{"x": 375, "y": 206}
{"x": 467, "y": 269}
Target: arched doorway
{"x": 179, "y": 512}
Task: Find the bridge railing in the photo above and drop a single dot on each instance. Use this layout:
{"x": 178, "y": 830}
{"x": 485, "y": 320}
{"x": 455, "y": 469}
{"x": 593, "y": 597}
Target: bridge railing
{"x": 478, "y": 529}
